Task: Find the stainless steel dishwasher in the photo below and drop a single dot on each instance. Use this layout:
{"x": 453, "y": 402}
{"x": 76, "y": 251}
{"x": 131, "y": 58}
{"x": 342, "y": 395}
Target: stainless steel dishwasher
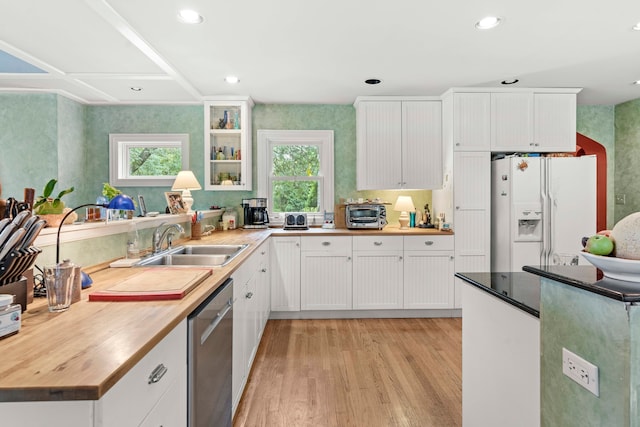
{"x": 210, "y": 354}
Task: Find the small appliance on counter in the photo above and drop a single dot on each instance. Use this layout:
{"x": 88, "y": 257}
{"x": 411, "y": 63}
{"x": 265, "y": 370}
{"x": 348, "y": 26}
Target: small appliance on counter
{"x": 366, "y": 216}
{"x": 255, "y": 213}
{"x": 295, "y": 221}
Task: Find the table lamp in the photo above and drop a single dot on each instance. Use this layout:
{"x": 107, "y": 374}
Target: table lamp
{"x": 186, "y": 181}
{"x": 404, "y": 204}
{"x": 120, "y": 202}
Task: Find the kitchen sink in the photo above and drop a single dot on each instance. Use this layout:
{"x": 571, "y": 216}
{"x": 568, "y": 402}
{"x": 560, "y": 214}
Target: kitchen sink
{"x": 194, "y": 255}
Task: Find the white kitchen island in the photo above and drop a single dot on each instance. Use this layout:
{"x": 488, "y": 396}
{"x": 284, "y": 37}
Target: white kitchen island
{"x": 500, "y": 349}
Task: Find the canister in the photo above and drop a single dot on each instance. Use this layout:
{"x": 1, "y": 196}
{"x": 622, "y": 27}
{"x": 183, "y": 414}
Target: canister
{"x": 230, "y": 218}
{"x": 10, "y": 316}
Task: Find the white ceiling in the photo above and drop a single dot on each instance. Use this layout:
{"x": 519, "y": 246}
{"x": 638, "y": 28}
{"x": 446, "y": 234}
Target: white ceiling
{"x": 320, "y": 52}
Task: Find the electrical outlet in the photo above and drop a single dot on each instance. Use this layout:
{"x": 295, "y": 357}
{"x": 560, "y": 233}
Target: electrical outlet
{"x": 581, "y": 371}
{"x": 621, "y": 199}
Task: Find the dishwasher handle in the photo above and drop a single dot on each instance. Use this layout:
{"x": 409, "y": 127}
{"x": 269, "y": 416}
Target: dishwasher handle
{"x": 216, "y": 320}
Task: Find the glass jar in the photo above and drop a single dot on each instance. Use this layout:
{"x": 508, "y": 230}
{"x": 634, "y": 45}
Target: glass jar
{"x": 230, "y": 218}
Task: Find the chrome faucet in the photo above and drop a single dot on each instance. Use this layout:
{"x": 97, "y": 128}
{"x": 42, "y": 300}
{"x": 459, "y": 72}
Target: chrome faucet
{"x": 168, "y": 233}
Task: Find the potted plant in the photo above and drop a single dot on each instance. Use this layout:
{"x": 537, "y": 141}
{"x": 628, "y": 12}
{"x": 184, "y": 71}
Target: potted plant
{"x": 51, "y": 209}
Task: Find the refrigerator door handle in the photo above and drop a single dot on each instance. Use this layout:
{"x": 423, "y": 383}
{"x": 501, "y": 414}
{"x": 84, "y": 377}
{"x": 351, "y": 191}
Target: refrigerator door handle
{"x": 546, "y": 214}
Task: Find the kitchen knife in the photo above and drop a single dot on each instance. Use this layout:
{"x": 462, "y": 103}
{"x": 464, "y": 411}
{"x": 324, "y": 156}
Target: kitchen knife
{"x": 31, "y": 234}
{"x": 3, "y": 223}
{"x": 21, "y": 218}
{"x": 11, "y": 243}
{"x": 30, "y": 221}
{"x": 6, "y": 232}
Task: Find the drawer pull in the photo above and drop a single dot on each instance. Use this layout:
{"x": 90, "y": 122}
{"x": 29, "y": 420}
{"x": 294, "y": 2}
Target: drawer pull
{"x": 264, "y": 270}
{"x": 157, "y": 374}
{"x": 428, "y": 242}
{"x": 326, "y": 243}
{"x": 249, "y": 295}
{"x": 377, "y": 243}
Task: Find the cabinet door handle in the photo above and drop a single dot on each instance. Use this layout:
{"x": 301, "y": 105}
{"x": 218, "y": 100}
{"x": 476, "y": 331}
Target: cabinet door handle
{"x": 263, "y": 252}
{"x": 348, "y": 258}
{"x": 249, "y": 295}
{"x": 377, "y": 243}
{"x": 326, "y": 243}
{"x": 399, "y": 258}
{"x": 457, "y": 208}
{"x": 451, "y": 257}
{"x": 457, "y": 144}
{"x": 264, "y": 270}
{"x": 157, "y": 374}
{"x": 428, "y": 242}
{"x": 298, "y": 244}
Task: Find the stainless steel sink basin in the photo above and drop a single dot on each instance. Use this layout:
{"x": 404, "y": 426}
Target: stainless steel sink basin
{"x": 194, "y": 255}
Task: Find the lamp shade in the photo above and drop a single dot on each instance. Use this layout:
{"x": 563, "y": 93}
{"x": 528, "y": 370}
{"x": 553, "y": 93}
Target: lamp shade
{"x": 186, "y": 180}
{"x": 404, "y": 204}
{"x": 122, "y": 202}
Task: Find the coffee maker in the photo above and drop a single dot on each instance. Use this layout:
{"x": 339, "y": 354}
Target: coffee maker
{"x": 255, "y": 213}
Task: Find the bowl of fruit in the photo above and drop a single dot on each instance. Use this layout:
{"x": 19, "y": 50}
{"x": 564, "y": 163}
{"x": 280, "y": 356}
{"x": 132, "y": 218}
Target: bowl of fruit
{"x": 616, "y": 252}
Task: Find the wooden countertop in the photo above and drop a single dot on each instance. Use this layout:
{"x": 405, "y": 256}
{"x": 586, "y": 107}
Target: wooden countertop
{"x": 386, "y": 231}
{"x": 81, "y": 353}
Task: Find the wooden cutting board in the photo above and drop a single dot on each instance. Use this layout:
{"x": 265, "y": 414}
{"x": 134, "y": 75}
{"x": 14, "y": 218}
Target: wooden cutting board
{"x": 154, "y": 284}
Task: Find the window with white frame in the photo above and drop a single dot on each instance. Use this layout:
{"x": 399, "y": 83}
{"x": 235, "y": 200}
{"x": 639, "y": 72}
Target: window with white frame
{"x": 295, "y": 172}
{"x": 147, "y": 160}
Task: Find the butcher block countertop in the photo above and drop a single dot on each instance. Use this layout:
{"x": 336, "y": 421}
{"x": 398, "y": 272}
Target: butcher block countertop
{"x": 81, "y": 353}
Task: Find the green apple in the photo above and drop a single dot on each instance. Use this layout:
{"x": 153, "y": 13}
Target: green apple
{"x": 599, "y": 245}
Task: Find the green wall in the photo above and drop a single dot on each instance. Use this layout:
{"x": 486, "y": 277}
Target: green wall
{"x": 103, "y": 120}
{"x": 597, "y": 123}
{"x": 46, "y": 135}
{"x": 28, "y": 142}
{"x": 627, "y": 173}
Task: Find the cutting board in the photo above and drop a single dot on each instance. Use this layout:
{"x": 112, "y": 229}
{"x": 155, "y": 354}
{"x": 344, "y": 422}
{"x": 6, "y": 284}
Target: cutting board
{"x": 153, "y": 284}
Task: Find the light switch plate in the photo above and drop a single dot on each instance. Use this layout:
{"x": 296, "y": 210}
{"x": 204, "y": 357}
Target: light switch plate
{"x": 581, "y": 371}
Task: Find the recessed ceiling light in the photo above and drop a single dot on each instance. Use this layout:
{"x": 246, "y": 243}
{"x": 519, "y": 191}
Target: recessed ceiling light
{"x": 189, "y": 16}
{"x": 136, "y": 89}
{"x": 510, "y": 81}
{"x": 636, "y": 27}
{"x": 488, "y": 22}
{"x": 373, "y": 81}
{"x": 231, "y": 79}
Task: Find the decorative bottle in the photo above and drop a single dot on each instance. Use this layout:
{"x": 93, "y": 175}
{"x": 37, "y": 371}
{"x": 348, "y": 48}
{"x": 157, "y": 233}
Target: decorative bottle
{"x": 236, "y": 120}
{"x": 225, "y": 120}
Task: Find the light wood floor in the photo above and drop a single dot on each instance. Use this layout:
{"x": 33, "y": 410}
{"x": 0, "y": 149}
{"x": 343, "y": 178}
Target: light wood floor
{"x": 359, "y": 372}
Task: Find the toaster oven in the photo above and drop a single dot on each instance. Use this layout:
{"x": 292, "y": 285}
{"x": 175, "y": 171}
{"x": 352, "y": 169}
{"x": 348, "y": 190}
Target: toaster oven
{"x": 366, "y": 216}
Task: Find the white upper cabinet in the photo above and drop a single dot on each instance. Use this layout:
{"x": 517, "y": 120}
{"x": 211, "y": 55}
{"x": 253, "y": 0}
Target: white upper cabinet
{"x": 533, "y": 121}
{"x": 554, "y": 126}
{"x": 512, "y": 122}
{"x": 399, "y": 143}
{"x": 516, "y": 120}
{"x": 227, "y": 144}
{"x": 471, "y": 121}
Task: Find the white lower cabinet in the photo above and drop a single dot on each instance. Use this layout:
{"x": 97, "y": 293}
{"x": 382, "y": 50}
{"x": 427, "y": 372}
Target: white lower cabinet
{"x": 136, "y": 396}
{"x": 285, "y": 273}
{"x": 377, "y": 272}
{"x": 134, "y": 400}
{"x": 428, "y": 272}
{"x": 250, "y": 314}
{"x": 326, "y": 273}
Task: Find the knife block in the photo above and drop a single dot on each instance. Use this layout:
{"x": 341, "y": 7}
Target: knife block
{"x": 19, "y": 291}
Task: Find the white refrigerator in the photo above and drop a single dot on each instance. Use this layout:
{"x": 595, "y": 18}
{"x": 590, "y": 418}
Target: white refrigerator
{"x": 541, "y": 208}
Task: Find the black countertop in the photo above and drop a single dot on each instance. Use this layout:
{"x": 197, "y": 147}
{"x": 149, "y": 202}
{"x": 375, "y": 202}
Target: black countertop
{"x": 519, "y": 289}
{"x": 590, "y": 279}
{"x": 522, "y": 289}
